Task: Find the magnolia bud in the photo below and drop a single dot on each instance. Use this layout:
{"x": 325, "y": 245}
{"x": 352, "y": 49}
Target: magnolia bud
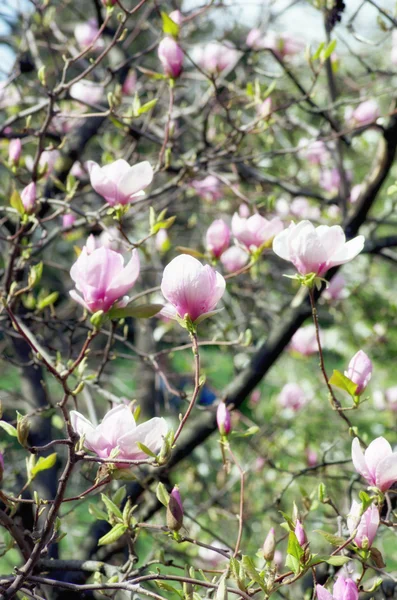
{"x": 176, "y": 16}
{"x": 68, "y": 220}
{"x": 14, "y": 151}
{"x": 175, "y": 510}
{"x": 171, "y": 57}
{"x": 223, "y": 419}
{"x": 300, "y": 533}
{"x": 28, "y": 197}
{"x": 269, "y": 546}
{"x": 23, "y": 428}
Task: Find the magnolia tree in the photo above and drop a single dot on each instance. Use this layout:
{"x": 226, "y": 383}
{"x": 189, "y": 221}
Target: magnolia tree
{"x": 197, "y": 233}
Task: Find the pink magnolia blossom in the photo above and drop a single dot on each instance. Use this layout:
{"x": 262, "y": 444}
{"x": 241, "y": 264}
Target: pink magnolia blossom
{"x": 344, "y": 589}
{"x": 366, "y": 524}
{"x": 171, "y": 57}
{"x": 87, "y": 92}
{"x": 264, "y": 109}
{"x": 300, "y": 533}
{"x": 223, "y": 419}
{"x": 14, "y": 151}
{"x": 311, "y": 457}
{"x": 316, "y": 152}
{"x": 256, "y": 231}
{"x": 191, "y": 288}
{"x": 282, "y": 44}
{"x": 360, "y": 371}
{"x": 355, "y": 192}
{"x": 102, "y": 279}
{"x": 292, "y": 396}
{"x": 330, "y": 180}
{"x": 316, "y": 249}
{"x": 234, "y": 259}
{"x": 85, "y": 34}
{"x": 175, "y": 510}
{"x": 218, "y": 57}
{"x": 129, "y": 84}
{"x": 209, "y": 188}
{"x": 365, "y": 113}
{"x": 255, "y": 39}
{"x": 47, "y": 161}
{"x": 278, "y": 559}
{"x": 304, "y": 341}
{"x": 300, "y": 208}
{"x": 77, "y": 170}
{"x": 118, "y": 182}
{"x": 118, "y": 434}
{"x": 336, "y": 289}
{"x": 28, "y": 197}
{"x": 243, "y": 210}
{"x": 177, "y": 17}
{"x": 68, "y": 220}
{"x": 378, "y": 464}
{"x": 217, "y": 238}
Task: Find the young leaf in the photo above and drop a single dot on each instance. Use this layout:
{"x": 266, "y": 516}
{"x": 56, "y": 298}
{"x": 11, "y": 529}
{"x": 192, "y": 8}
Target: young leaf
{"x": 44, "y": 463}
{"x": 162, "y": 494}
{"x": 169, "y": 26}
{"x": 344, "y": 383}
{"x": 16, "y": 202}
{"x": 113, "y": 535}
{"x": 252, "y": 573}
{"x": 294, "y": 548}
{"x": 111, "y": 507}
{"x": 8, "y": 428}
{"x": 337, "y": 561}
{"x": 146, "y": 450}
{"x": 335, "y": 540}
{"x": 97, "y": 513}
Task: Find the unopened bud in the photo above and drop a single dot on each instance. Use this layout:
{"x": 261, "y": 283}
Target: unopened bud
{"x": 28, "y": 197}
{"x": 23, "y": 428}
{"x": 269, "y": 546}
{"x": 175, "y": 511}
{"x": 300, "y": 533}
{"x": 14, "y": 151}
{"x": 223, "y": 419}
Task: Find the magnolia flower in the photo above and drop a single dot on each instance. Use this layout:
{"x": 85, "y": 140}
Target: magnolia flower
{"x": 366, "y": 524}
{"x": 118, "y": 182}
{"x": 234, "y": 259}
{"x": 292, "y": 396}
{"x": 47, "y": 161}
{"x": 216, "y": 57}
{"x": 209, "y": 188}
{"x": 223, "y": 419}
{"x": 330, "y": 180}
{"x": 394, "y": 48}
{"x": 14, "y": 151}
{"x": 85, "y": 34}
{"x": 316, "y": 152}
{"x": 28, "y": 197}
{"x": 256, "y": 231}
{"x": 118, "y": 434}
{"x": 336, "y": 289}
{"x": 87, "y": 92}
{"x": 363, "y": 114}
{"x": 378, "y": 464}
{"x": 316, "y": 249}
{"x": 175, "y": 510}
{"x": 102, "y": 279}
{"x": 311, "y": 457}
{"x": 304, "y": 341}
{"x": 255, "y": 39}
{"x": 344, "y": 589}
{"x": 282, "y": 44}
{"x": 191, "y": 288}
{"x": 68, "y": 220}
{"x": 171, "y": 57}
{"x": 217, "y": 237}
{"x": 360, "y": 371}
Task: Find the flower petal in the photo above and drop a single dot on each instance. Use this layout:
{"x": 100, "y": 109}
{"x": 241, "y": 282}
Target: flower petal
{"x": 359, "y": 461}
{"x": 386, "y": 472}
{"x": 322, "y": 593}
{"x": 376, "y": 451}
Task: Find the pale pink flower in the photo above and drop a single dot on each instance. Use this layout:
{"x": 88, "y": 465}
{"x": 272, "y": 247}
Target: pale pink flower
{"x": 282, "y": 44}
{"x": 102, "y": 279}
{"x": 316, "y": 249}
{"x": 355, "y": 192}
{"x": 110, "y": 238}
{"x": 330, "y": 180}
{"x": 118, "y": 182}
{"x": 336, "y": 289}
{"x": 223, "y": 419}
{"x": 292, "y": 396}
{"x": 243, "y": 210}
{"x": 255, "y": 397}
{"x": 218, "y": 57}
{"x": 301, "y": 208}
{"x": 264, "y": 109}
{"x": 255, "y": 39}
{"x": 14, "y": 151}
{"x": 171, "y": 57}
{"x": 87, "y": 92}
{"x": 278, "y": 559}
{"x": 209, "y": 188}
{"x": 316, "y": 152}
{"x": 77, "y": 170}
{"x": 68, "y": 220}
{"x": 378, "y": 464}
{"x": 129, "y": 84}
{"x": 365, "y": 113}
{"x": 344, "y": 589}
{"x": 191, "y": 288}
{"x": 304, "y": 340}
{"x": 28, "y": 197}
{"x": 394, "y": 48}
{"x": 300, "y": 533}
{"x": 177, "y": 17}
{"x": 85, "y": 34}
{"x": 118, "y": 434}
{"x": 256, "y": 231}
{"x": 47, "y": 160}
{"x": 311, "y": 457}
{"x": 234, "y": 259}
{"x": 360, "y": 371}
{"x": 217, "y": 238}
{"x": 366, "y": 524}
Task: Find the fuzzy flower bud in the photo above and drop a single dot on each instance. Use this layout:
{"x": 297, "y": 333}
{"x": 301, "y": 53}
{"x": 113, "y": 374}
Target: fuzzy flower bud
{"x": 269, "y": 546}
{"x": 171, "y": 57}
{"x": 300, "y": 533}
{"x": 28, "y": 197}
{"x": 14, "y": 151}
{"x": 175, "y": 510}
{"x": 68, "y": 220}
{"x": 223, "y": 419}
{"x": 360, "y": 371}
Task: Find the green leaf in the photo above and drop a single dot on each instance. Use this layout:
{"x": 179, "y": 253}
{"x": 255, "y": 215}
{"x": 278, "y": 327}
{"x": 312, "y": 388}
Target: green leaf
{"x": 97, "y": 513}
{"x": 221, "y": 592}
{"x": 317, "y": 53}
{"x": 44, "y": 463}
{"x": 113, "y": 535}
{"x": 111, "y": 507}
{"x": 147, "y": 106}
{"x": 35, "y": 273}
{"x": 10, "y": 429}
{"x": 16, "y": 202}
{"x": 335, "y": 540}
{"x": 365, "y": 499}
{"x": 250, "y": 431}
{"x": 289, "y": 521}
{"x": 141, "y": 311}
{"x": 162, "y": 494}
{"x": 292, "y": 563}
{"x": 146, "y": 450}
{"x": 163, "y": 585}
{"x": 344, "y": 383}
{"x": 169, "y": 26}
{"x": 328, "y": 50}
{"x": 48, "y": 300}
{"x": 252, "y": 573}
{"x": 337, "y": 561}
{"x": 189, "y": 251}
{"x": 119, "y": 496}
{"x": 294, "y": 547}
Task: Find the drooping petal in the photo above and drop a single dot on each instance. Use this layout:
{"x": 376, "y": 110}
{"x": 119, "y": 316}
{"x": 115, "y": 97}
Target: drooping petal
{"x": 349, "y": 251}
{"x": 73, "y": 294}
{"x": 359, "y": 461}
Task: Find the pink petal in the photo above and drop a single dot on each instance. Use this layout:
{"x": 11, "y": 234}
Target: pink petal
{"x": 322, "y": 593}
{"x": 386, "y": 472}
{"x": 359, "y": 461}
{"x": 136, "y": 179}
{"x": 376, "y": 451}
{"x": 125, "y": 279}
{"x": 348, "y": 252}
